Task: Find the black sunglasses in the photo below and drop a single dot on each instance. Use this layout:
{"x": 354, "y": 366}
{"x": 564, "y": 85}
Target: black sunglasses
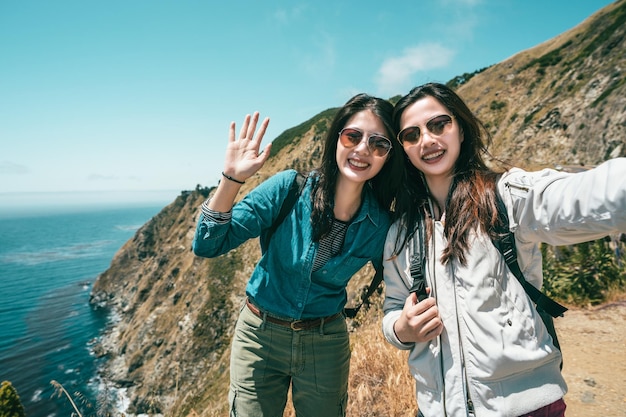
{"x": 378, "y": 145}
{"x": 436, "y": 126}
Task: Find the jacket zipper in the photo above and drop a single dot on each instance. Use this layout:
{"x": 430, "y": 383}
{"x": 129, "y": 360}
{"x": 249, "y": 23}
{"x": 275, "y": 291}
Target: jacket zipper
{"x": 519, "y": 187}
{"x": 433, "y": 283}
{"x": 470, "y": 407}
{"x": 468, "y": 400}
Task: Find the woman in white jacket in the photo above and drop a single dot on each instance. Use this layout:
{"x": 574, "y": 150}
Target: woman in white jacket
{"x": 477, "y": 344}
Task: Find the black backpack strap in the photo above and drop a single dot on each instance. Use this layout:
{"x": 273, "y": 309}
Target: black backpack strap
{"x": 290, "y": 200}
{"x": 546, "y": 307}
{"x": 418, "y": 260}
{"x": 506, "y": 245}
{"x": 351, "y": 312}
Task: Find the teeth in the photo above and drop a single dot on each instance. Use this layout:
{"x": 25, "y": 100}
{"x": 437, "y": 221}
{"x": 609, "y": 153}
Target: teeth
{"x": 358, "y": 164}
{"x": 432, "y": 156}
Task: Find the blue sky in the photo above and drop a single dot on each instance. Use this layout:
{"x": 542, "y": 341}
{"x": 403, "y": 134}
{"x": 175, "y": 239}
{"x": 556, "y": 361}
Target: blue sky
{"x": 136, "y": 95}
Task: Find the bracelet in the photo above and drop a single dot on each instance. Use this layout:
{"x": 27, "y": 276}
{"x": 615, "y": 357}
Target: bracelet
{"x": 228, "y": 177}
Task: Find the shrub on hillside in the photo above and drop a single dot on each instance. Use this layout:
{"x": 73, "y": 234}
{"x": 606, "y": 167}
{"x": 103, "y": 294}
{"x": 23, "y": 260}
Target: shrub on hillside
{"x": 586, "y": 273}
{"x": 10, "y": 405}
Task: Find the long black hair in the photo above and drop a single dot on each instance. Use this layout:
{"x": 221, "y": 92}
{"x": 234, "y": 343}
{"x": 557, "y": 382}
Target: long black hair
{"x": 383, "y": 185}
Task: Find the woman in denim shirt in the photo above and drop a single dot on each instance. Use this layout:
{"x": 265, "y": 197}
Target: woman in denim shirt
{"x": 292, "y": 330}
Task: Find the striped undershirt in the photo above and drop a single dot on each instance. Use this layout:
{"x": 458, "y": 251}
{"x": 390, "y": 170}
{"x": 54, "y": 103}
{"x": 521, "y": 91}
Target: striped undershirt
{"x": 331, "y": 244}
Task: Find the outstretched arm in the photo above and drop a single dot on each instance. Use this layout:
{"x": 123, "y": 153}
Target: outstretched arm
{"x": 563, "y": 209}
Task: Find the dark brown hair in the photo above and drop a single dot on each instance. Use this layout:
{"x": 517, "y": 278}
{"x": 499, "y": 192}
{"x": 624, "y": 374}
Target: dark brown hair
{"x": 383, "y": 185}
{"x": 472, "y": 200}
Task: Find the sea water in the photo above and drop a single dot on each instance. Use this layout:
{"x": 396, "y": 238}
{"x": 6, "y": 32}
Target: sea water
{"x": 48, "y": 263}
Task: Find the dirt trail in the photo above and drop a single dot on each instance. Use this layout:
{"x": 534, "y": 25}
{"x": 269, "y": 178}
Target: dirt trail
{"x": 594, "y": 349}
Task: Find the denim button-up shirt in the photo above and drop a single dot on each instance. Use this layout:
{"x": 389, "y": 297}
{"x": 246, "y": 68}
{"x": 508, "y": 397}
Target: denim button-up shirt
{"x": 283, "y": 281}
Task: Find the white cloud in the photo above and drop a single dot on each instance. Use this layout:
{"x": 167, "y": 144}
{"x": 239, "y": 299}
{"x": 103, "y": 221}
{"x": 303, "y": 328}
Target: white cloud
{"x": 280, "y": 15}
{"x": 8, "y": 167}
{"x": 394, "y": 75}
{"x": 320, "y": 60}
{"x": 469, "y": 3}
{"x": 101, "y": 177}
{"x": 111, "y": 177}
{"x": 285, "y": 16}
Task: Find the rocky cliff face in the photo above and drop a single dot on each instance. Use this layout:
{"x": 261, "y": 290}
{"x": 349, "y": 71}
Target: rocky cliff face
{"x": 560, "y": 103}
{"x": 174, "y": 312}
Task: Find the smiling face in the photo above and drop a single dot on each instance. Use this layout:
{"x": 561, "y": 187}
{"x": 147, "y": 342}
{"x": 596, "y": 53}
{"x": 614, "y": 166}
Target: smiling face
{"x": 357, "y": 163}
{"x": 435, "y": 155}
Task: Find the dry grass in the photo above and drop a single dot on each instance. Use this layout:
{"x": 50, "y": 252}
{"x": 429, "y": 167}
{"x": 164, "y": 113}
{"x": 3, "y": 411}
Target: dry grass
{"x": 59, "y": 390}
{"x": 380, "y": 383}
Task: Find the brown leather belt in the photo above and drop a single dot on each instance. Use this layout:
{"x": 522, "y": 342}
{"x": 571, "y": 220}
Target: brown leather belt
{"x": 292, "y": 324}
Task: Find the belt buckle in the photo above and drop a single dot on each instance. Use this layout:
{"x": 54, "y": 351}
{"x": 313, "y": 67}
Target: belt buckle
{"x": 294, "y": 325}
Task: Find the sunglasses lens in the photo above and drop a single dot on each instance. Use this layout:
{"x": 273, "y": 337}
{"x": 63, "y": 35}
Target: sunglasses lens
{"x": 438, "y": 125}
{"x": 409, "y": 135}
{"x": 379, "y": 145}
{"x": 350, "y": 137}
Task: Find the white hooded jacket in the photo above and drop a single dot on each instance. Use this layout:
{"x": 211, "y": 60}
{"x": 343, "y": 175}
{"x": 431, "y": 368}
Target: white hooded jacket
{"x": 495, "y": 356}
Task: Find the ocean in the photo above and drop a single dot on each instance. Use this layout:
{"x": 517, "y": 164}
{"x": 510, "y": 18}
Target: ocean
{"x": 48, "y": 264}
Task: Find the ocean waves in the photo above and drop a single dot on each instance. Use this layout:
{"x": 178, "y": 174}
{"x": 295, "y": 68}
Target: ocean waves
{"x": 62, "y": 253}
{"x": 47, "y": 326}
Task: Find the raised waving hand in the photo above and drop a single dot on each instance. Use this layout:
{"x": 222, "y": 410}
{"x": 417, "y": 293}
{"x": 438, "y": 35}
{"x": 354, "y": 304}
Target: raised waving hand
{"x": 243, "y": 159}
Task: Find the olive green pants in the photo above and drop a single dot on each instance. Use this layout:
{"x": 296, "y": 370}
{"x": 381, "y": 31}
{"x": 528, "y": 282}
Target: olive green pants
{"x": 268, "y": 358}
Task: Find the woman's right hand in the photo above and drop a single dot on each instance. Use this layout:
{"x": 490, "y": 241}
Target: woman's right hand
{"x": 242, "y": 161}
{"x": 419, "y": 321}
{"x": 242, "y": 156}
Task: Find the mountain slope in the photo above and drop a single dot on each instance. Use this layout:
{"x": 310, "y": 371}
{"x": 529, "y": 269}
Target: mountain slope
{"x": 560, "y": 103}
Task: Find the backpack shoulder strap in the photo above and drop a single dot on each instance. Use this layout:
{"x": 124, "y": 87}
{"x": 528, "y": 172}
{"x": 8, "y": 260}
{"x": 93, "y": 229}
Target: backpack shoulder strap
{"x": 506, "y": 245}
{"x": 351, "y": 312}
{"x": 417, "y": 272}
{"x": 546, "y": 307}
{"x": 290, "y": 200}
{"x": 418, "y": 260}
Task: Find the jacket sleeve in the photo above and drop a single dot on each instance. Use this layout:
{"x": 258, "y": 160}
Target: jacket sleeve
{"x": 397, "y": 287}
{"x": 254, "y": 213}
{"x": 566, "y": 208}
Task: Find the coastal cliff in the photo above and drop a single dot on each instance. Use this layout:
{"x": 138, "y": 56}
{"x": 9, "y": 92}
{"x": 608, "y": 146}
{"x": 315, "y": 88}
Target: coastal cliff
{"x": 559, "y": 104}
